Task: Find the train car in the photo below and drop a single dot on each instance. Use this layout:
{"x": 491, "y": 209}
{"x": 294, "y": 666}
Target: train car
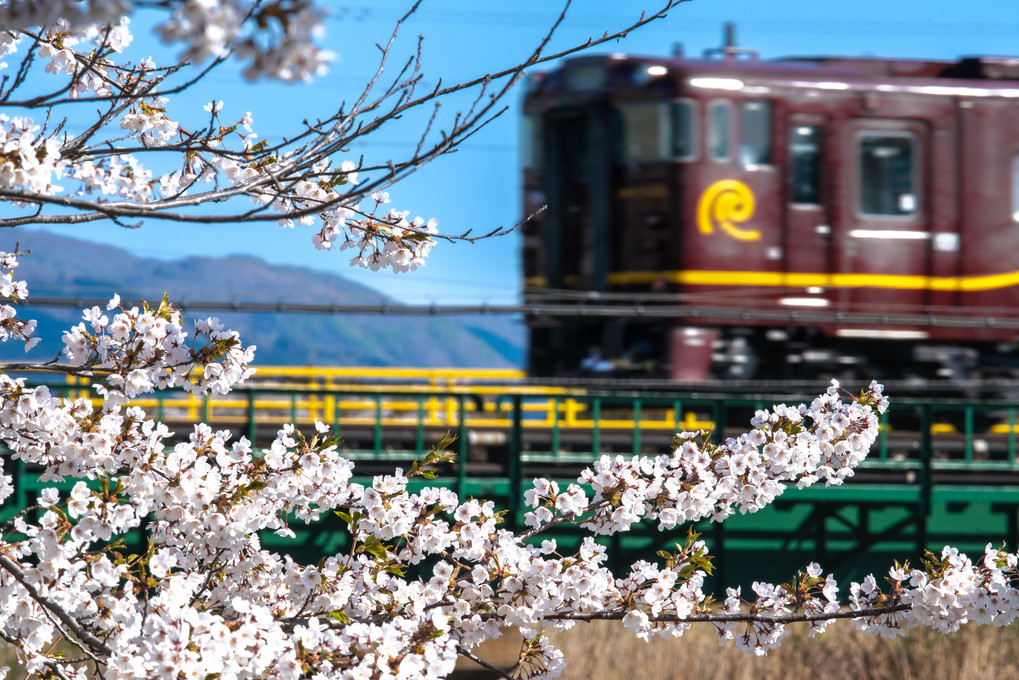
{"x": 806, "y": 216}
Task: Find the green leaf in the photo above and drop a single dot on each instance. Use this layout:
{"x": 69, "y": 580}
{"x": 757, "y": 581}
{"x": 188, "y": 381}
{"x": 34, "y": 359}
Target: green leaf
{"x": 377, "y": 551}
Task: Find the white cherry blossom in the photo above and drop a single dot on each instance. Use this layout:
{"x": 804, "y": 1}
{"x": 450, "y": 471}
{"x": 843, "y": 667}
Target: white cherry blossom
{"x": 426, "y": 576}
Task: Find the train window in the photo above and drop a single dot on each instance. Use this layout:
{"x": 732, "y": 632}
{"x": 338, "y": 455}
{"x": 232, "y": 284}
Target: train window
{"x": 1015, "y": 188}
{"x": 720, "y": 129}
{"x": 583, "y": 78}
{"x": 684, "y": 130}
{"x": 646, "y": 131}
{"x": 755, "y": 133}
{"x": 887, "y": 174}
{"x": 805, "y": 152}
{"x": 531, "y": 141}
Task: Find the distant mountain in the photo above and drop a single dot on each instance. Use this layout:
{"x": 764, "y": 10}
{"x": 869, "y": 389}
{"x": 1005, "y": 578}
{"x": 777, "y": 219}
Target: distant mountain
{"x": 59, "y": 266}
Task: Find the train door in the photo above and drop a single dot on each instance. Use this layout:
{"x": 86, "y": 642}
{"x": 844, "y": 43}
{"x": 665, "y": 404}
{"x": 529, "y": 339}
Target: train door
{"x": 808, "y": 222}
{"x": 576, "y": 166}
{"x": 578, "y": 174}
{"x": 565, "y": 172}
{"x": 881, "y": 258}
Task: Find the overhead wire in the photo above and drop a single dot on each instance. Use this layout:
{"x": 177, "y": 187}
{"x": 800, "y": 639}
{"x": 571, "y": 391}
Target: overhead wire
{"x": 690, "y": 313}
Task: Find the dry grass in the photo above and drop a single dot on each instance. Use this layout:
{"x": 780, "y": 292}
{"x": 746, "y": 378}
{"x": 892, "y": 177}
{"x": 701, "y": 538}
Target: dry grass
{"x": 606, "y": 651}
{"x": 9, "y": 658}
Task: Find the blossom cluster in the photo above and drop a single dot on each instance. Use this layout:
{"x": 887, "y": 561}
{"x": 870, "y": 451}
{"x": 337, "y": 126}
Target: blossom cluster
{"x": 426, "y": 575}
{"x": 825, "y": 440}
{"x": 217, "y": 160}
{"x": 144, "y": 551}
{"x": 147, "y": 349}
{"x": 27, "y": 161}
{"x": 11, "y": 292}
{"x": 278, "y": 38}
{"x": 951, "y": 591}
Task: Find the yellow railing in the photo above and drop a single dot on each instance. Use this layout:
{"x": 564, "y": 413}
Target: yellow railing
{"x": 343, "y": 377}
{"x": 356, "y": 396}
{"x": 368, "y": 396}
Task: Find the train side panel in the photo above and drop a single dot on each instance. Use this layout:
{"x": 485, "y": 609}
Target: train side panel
{"x": 989, "y": 237}
{"x": 777, "y": 202}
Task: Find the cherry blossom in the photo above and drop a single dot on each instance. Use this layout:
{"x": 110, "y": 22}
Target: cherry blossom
{"x": 143, "y": 555}
{"x": 427, "y": 576}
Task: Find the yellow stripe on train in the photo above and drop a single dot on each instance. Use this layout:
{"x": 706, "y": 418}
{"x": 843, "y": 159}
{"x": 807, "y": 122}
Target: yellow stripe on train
{"x": 704, "y": 277}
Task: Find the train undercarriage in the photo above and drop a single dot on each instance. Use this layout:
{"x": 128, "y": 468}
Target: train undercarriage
{"x": 624, "y": 349}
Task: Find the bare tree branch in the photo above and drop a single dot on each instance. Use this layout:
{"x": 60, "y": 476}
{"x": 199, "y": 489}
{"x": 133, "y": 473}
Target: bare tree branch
{"x": 281, "y": 166}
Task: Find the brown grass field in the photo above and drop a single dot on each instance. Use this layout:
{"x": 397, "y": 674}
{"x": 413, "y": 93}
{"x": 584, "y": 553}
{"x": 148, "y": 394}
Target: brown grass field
{"x": 607, "y": 651}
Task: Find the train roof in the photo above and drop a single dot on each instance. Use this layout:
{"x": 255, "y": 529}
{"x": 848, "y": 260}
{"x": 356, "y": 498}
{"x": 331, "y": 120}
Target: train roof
{"x": 972, "y": 76}
{"x": 974, "y": 67}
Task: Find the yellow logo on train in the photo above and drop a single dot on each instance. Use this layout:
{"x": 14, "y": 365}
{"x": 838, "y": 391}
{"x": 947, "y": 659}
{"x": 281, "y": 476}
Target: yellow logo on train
{"x": 727, "y": 203}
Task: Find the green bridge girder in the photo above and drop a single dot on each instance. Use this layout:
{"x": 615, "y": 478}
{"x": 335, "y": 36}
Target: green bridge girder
{"x": 942, "y": 472}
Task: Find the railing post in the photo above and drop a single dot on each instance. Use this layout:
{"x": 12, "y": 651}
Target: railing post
{"x": 461, "y": 470}
{"x": 926, "y": 477}
{"x": 419, "y": 434}
{"x": 513, "y": 464}
{"x": 1011, "y": 436}
{"x": 378, "y": 425}
{"x": 596, "y": 431}
{"x": 337, "y": 414}
{"x": 636, "y": 425}
{"x": 968, "y": 416}
{"x": 721, "y": 420}
{"x": 252, "y": 417}
{"x": 555, "y": 426}
{"x": 882, "y": 436}
{"x": 21, "y": 492}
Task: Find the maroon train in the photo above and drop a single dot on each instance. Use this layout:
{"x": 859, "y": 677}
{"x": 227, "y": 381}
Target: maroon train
{"x": 773, "y": 218}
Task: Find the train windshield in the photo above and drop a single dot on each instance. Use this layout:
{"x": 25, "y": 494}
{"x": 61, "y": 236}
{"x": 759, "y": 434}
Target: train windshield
{"x": 531, "y": 141}
{"x": 645, "y": 131}
{"x": 657, "y": 131}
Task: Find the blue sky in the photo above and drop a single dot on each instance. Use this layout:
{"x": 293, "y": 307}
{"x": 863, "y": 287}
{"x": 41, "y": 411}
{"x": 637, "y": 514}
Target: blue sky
{"x": 479, "y": 186}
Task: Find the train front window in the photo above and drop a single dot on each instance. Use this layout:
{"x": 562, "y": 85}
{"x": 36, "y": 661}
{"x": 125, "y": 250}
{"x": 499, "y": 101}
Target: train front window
{"x": 531, "y": 141}
{"x": 755, "y": 133}
{"x": 887, "y": 174}
{"x": 585, "y": 78}
{"x": 646, "y": 131}
{"x": 684, "y": 130}
{"x": 805, "y": 152}
{"x": 720, "y": 130}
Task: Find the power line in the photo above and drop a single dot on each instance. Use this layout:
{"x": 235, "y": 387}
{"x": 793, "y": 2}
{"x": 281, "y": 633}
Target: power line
{"x": 360, "y": 14}
{"x": 689, "y": 313}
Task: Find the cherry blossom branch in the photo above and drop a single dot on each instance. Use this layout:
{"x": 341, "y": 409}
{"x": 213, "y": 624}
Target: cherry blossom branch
{"x": 466, "y": 653}
{"x": 14, "y": 569}
{"x": 743, "y": 617}
{"x": 279, "y": 177}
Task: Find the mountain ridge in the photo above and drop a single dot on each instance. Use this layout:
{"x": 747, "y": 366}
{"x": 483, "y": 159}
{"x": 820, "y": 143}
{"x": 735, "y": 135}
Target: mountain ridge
{"x": 67, "y": 267}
